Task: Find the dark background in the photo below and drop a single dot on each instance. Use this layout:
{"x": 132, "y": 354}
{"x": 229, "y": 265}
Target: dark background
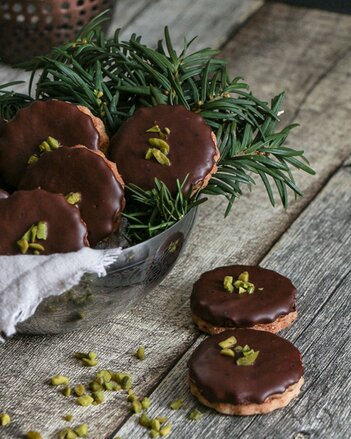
{"x": 343, "y": 6}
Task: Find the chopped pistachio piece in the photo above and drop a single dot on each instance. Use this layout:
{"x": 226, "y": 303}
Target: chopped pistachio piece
{"x": 57, "y": 380}
{"x": 248, "y": 360}
{"x": 244, "y": 276}
{"x": 88, "y": 362}
{"x": 228, "y": 284}
{"x": 94, "y": 386}
{"x": 68, "y": 418}
{"x": 155, "y": 424}
{"x": 119, "y": 377}
{"x": 113, "y": 386}
{"x": 167, "y": 131}
{"x": 54, "y": 144}
{"x": 140, "y": 353}
{"x": 126, "y": 382}
{"x": 36, "y": 246}
{"x": 154, "y": 433}
{"x": 44, "y": 146}
{"x": 132, "y": 396}
{"x": 242, "y": 290}
{"x": 73, "y": 198}
{"x": 23, "y": 245}
{"x": 32, "y": 159}
{"x": 160, "y": 144}
{"x": 34, "y": 435}
{"x": 85, "y": 400}
{"x": 136, "y": 406}
{"x": 145, "y": 403}
{"x": 154, "y": 129}
{"x": 104, "y": 375}
{"x": 144, "y": 420}
{"x": 228, "y": 352}
{"x": 79, "y": 390}
{"x": 228, "y": 343}
{"x": 42, "y": 230}
{"x": 70, "y": 434}
{"x": 4, "y": 419}
{"x": 98, "y": 396}
{"x": 66, "y": 391}
{"x": 165, "y": 431}
{"x": 161, "y": 158}
{"x": 176, "y": 404}
{"x": 82, "y": 430}
{"x": 238, "y": 348}
{"x": 195, "y": 415}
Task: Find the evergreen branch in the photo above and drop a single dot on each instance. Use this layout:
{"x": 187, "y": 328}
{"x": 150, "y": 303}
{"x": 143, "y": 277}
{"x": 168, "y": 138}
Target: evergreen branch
{"x": 113, "y": 78}
{"x": 10, "y": 101}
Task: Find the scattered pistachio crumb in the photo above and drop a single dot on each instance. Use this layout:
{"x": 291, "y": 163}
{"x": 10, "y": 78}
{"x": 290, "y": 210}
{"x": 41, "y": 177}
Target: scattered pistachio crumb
{"x": 34, "y": 435}
{"x": 85, "y": 400}
{"x": 131, "y": 396}
{"x": 70, "y": 434}
{"x": 154, "y": 434}
{"x": 58, "y": 380}
{"x": 126, "y": 382}
{"x": 176, "y": 404}
{"x": 195, "y": 415}
{"x": 82, "y": 430}
{"x": 145, "y": 403}
{"x": 99, "y": 397}
{"x": 79, "y": 390}
{"x": 155, "y": 424}
{"x": 140, "y": 353}
{"x": 136, "y": 405}
{"x": 162, "y": 419}
{"x": 5, "y": 419}
{"x": 144, "y": 420}
{"x": 88, "y": 362}
{"x": 66, "y": 391}
{"x": 165, "y": 431}
{"x": 68, "y": 418}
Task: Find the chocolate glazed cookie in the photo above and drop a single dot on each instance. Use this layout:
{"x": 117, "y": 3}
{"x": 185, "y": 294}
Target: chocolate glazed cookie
{"x": 90, "y": 175}
{"x": 227, "y": 385}
{"x": 64, "y": 229}
{"x": 21, "y": 136}
{"x": 190, "y": 148}
{"x": 270, "y": 307}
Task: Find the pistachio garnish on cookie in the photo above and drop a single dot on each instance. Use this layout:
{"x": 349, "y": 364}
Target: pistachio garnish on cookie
{"x": 165, "y": 142}
{"x": 242, "y": 296}
{"x": 264, "y": 372}
{"x": 67, "y": 123}
{"x": 40, "y": 223}
{"x": 88, "y": 180}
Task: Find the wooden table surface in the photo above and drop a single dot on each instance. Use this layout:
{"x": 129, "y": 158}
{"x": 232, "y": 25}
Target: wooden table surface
{"x": 306, "y": 52}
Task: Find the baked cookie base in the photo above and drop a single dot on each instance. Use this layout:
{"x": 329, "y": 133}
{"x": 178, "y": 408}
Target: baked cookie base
{"x": 275, "y": 326}
{"x": 273, "y": 402}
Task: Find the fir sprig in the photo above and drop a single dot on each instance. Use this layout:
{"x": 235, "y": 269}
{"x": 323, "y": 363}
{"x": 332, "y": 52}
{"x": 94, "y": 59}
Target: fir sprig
{"x": 113, "y": 78}
{"x": 152, "y": 212}
{"x": 10, "y": 101}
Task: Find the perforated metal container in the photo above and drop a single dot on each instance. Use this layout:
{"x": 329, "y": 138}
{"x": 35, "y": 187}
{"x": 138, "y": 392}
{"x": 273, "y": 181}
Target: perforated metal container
{"x": 32, "y": 27}
{"x": 95, "y": 301}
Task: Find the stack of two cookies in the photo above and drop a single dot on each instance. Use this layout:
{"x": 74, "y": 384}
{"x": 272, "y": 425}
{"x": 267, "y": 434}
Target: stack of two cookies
{"x": 244, "y": 368}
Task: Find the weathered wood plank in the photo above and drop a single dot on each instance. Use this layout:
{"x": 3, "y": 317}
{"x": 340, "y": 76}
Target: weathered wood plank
{"x": 162, "y": 322}
{"x": 315, "y": 253}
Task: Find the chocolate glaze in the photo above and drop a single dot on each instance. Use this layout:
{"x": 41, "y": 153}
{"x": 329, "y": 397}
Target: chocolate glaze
{"x": 78, "y": 169}
{"x": 192, "y": 149}
{"x": 66, "y": 230}
{"x": 3, "y": 194}
{"x": 212, "y": 303}
{"x": 2, "y": 124}
{"x": 32, "y": 125}
{"x": 219, "y": 379}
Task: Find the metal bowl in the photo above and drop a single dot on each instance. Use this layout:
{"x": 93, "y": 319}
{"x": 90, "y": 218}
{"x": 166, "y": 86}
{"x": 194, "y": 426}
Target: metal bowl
{"x": 96, "y": 300}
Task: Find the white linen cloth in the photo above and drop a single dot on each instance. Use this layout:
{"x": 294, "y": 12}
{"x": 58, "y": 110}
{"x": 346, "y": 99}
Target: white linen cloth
{"x": 26, "y": 280}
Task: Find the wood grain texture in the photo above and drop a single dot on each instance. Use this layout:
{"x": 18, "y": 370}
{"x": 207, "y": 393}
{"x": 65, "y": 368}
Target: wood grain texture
{"x": 315, "y": 254}
{"x": 162, "y": 322}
